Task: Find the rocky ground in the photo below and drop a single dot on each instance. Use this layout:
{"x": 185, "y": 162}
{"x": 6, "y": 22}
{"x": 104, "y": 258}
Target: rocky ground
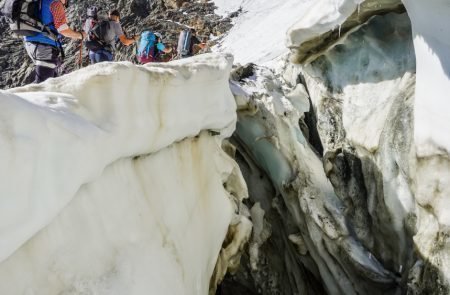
{"x": 165, "y": 16}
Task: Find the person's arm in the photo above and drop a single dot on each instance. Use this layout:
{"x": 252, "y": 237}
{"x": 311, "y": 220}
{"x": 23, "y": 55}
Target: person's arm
{"x": 127, "y": 41}
{"x": 60, "y": 21}
{"x": 204, "y": 43}
{"x": 119, "y": 33}
{"x": 161, "y": 47}
{"x": 69, "y": 33}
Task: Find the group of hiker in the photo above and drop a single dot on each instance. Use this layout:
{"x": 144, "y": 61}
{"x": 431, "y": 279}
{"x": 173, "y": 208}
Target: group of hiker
{"x": 45, "y": 24}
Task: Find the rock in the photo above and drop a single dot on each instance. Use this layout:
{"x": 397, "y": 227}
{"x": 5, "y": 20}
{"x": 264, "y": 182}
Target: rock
{"x": 168, "y": 17}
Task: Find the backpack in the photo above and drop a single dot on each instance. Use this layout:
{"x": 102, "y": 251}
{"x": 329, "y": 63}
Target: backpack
{"x": 91, "y": 21}
{"x": 184, "y": 43}
{"x": 146, "y": 48}
{"x": 88, "y": 25}
{"x": 92, "y": 12}
{"x": 96, "y": 35}
{"x": 24, "y": 17}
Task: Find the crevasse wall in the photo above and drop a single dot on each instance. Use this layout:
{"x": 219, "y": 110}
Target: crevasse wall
{"x": 362, "y": 91}
{"x": 432, "y": 142}
{"x": 385, "y": 148}
{"x": 105, "y": 189}
{"x": 385, "y": 141}
{"x": 319, "y": 226}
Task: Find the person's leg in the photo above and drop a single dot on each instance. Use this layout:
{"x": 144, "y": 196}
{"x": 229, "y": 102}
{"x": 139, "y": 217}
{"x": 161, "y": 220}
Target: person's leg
{"x": 103, "y": 55}
{"x": 57, "y": 61}
{"x": 45, "y": 58}
{"x": 92, "y": 56}
{"x": 98, "y": 56}
{"x": 43, "y": 73}
{"x": 109, "y": 55}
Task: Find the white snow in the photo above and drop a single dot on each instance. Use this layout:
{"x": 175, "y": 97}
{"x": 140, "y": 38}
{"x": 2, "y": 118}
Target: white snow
{"x": 259, "y": 32}
{"x": 266, "y": 28}
{"x": 97, "y": 214}
{"x": 225, "y": 7}
{"x": 323, "y": 16}
{"x": 432, "y": 104}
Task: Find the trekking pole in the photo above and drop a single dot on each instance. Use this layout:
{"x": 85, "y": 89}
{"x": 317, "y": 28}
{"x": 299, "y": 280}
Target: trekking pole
{"x": 80, "y": 58}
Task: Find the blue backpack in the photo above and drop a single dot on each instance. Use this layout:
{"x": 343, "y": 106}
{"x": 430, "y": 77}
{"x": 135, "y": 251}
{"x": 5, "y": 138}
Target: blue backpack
{"x": 146, "y": 47}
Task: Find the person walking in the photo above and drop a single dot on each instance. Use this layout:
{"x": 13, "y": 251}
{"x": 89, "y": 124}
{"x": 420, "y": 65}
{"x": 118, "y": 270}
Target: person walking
{"x": 189, "y": 44}
{"x": 46, "y": 50}
{"x": 102, "y": 37}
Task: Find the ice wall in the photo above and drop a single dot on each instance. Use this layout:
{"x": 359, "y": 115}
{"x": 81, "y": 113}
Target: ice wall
{"x": 105, "y": 189}
{"x": 362, "y": 91}
{"x": 328, "y": 21}
{"x": 385, "y": 153}
{"x": 325, "y": 235}
{"x": 259, "y": 31}
{"x": 383, "y": 146}
{"x": 432, "y": 142}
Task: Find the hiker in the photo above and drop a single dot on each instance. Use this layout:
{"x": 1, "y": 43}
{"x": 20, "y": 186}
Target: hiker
{"x": 102, "y": 35}
{"x": 151, "y": 48}
{"x": 46, "y": 52}
{"x": 161, "y": 48}
{"x": 196, "y": 44}
{"x": 92, "y": 19}
{"x": 188, "y": 43}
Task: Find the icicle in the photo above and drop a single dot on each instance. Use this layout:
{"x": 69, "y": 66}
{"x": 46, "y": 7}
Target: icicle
{"x": 340, "y": 26}
{"x": 358, "y": 3}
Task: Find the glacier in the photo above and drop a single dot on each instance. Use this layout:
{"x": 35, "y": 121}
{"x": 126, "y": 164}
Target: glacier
{"x": 310, "y": 158}
{"x": 109, "y": 172}
{"x": 365, "y": 68}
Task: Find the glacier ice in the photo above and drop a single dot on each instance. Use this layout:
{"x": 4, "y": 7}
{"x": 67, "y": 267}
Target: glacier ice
{"x": 345, "y": 152}
{"x": 109, "y": 181}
